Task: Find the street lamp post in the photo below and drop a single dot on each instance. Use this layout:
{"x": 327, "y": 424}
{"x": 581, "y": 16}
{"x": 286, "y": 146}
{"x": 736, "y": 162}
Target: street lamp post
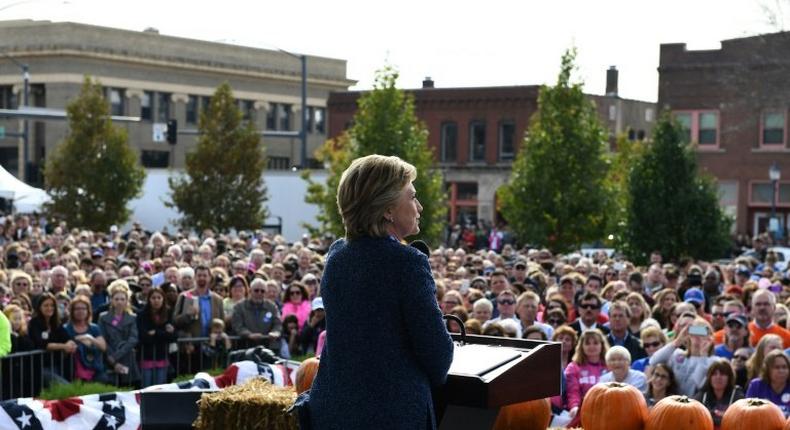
{"x": 303, "y": 130}
{"x": 775, "y": 174}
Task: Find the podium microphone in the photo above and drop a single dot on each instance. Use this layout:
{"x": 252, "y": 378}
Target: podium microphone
{"x": 421, "y": 246}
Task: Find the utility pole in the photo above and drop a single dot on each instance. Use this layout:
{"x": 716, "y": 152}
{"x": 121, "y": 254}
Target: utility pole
{"x": 305, "y": 113}
{"x": 23, "y": 171}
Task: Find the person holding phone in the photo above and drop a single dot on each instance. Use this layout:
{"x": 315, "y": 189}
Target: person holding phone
{"x": 689, "y": 355}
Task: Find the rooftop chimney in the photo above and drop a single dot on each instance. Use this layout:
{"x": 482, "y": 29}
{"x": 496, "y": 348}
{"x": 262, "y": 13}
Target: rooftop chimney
{"x": 427, "y": 82}
{"x": 611, "y": 81}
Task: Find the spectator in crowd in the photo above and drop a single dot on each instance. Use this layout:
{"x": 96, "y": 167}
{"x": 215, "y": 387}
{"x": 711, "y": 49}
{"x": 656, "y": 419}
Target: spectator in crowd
{"x": 662, "y": 310}
{"x": 652, "y": 339}
{"x": 89, "y": 357}
{"x": 48, "y": 334}
{"x": 589, "y": 363}
{"x": 482, "y": 309}
{"x": 736, "y": 335}
{"x": 731, "y": 307}
{"x": 768, "y": 343}
{"x": 661, "y": 384}
{"x": 119, "y": 327}
{"x": 619, "y": 317}
{"x": 738, "y": 362}
{"x": 763, "y": 307}
{"x": 20, "y": 341}
{"x": 506, "y": 305}
{"x": 690, "y": 365}
{"x": 289, "y": 341}
{"x": 640, "y": 312}
{"x": 527, "y": 310}
{"x": 156, "y": 332}
{"x": 316, "y": 325}
{"x": 196, "y": 308}
{"x": 215, "y": 349}
{"x": 238, "y": 290}
{"x": 772, "y": 384}
{"x": 99, "y": 298}
{"x": 618, "y": 362}
{"x": 257, "y": 320}
{"x": 589, "y": 310}
{"x": 555, "y": 318}
{"x": 719, "y": 391}
{"x": 296, "y": 302}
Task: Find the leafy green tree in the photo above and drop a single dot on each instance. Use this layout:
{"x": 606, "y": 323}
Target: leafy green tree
{"x": 223, "y": 185}
{"x": 555, "y": 196}
{"x": 621, "y": 162}
{"x": 384, "y": 124}
{"x": 672, "y": 208}
{"x": 94, "y": 173}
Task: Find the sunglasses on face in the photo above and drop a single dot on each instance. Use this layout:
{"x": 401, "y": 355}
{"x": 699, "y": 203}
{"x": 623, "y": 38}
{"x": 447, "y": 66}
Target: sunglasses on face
{"x": 295, "y": 293}
{"x": 257, "y": 290}
{"x": 740, "y": 357}
{"x": 651, "y": 344}
{"x": 733, "y": 325}
{"x": 555, "y": 321}
{"x": 721, "y": 314}
{"x": 589, "y": 306}
{"x": 506, "y": 302}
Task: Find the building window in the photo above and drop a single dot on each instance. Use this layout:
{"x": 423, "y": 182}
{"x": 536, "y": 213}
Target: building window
{"x": 310, "y": 117}
{"x": 649, "y": 115}
{"x": 145, "y": 105}
{"x": 773, "y": 126}
{"x": 477, "y": 141}
{"x": 155, "y": 159}
{"x": 507, "y": 140}
{"x": 700, "y": 126}
{"x": 449, "y": 143}
{"x": 463, "y": 202}
{"x": 192, "y": 110}
{"x": 247, "y": 110}
{"x": 278, "y": 163}
{"x": 271, "y": 117}
{"x": 205, "y": 104}
{"x": 761, "y": 193}
{"x": 684, "y": 119}
{"x": 284, "y": 117}
{"x": 162, "y": 107}
{"x": 7, "y": 97}
{"x": 320, "y": 120}
{"x": 116, "y": 97}
{"x": 708, "y": 128}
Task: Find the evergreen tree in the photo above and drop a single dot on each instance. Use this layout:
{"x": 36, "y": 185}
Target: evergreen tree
{"x": 94, "y": 173}
{"x": 223, "y": 185}
{"x": 672, "y": 208}
{"x": 555, "y": 196}
{"x": 384, "y": 124}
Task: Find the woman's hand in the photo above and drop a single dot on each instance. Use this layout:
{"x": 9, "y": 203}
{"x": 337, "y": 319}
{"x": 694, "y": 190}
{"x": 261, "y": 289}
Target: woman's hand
{"x": 151, "y": 332}
{"x": 70, "y": 347}
{"x": 169, "y": 328}
{"x": 682, "y": 337}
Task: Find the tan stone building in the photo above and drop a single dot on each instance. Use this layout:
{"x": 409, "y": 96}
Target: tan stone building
{"x": 157, "y": 78}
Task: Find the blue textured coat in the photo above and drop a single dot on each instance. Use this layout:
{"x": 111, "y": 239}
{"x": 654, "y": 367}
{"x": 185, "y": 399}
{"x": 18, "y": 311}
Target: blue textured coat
{"x": 386, "y": 342}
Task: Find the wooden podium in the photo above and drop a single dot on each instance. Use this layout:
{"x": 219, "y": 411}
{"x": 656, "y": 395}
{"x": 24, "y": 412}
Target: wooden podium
{"x": 490, "y": 372}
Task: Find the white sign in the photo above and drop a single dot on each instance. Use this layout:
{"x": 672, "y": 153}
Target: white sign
{"x": 773, "y": 225}
{"x": 160, "y": 132}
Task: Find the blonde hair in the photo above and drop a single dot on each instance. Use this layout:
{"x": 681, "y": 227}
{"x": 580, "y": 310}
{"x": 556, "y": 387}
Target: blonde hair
{"x": 368, "y": 188}
{"x": 121, "y": 286}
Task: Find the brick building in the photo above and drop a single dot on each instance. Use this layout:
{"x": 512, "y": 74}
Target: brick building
{"x": 734, "y": 102}
{"x": 157, "y": 78}
{"x": 476, "y": 132}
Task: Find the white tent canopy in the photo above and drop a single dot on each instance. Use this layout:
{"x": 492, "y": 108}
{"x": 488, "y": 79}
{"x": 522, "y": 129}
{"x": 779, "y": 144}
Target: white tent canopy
{"x": 26, "y": 199}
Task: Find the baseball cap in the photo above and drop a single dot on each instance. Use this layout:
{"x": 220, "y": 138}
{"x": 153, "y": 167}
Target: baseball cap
{"x": 739, "y": 318}
{"x": 318, "y": 303}
{"x": 694, "y": 295}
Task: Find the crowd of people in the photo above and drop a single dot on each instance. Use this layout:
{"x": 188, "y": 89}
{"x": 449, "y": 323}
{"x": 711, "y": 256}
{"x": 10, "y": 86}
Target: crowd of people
{"x": 138, "y": 308}
{"x": 122, "y": 305}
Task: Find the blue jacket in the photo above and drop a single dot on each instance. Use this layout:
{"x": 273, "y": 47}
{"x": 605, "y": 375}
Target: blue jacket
{"x": 386, "y": 342}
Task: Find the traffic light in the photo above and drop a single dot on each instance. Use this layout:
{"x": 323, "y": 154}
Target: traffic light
{"x": 172, "y": 131}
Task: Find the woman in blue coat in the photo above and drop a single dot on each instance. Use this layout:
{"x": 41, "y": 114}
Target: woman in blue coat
{"x": 386, "y": 342}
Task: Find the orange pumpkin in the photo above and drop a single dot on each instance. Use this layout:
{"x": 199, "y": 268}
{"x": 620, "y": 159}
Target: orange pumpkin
{"x": 613, "y": 406}
{"x": 749, "y": 414}
{"x": 679, "y": 413}
{"x": 787, "y": 424}
{"x": 305, "y": 374}
{"x": 531, "y": 415}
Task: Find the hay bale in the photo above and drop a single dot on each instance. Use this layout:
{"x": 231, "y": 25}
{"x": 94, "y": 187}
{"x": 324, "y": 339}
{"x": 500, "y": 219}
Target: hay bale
{"x": 256, "y": 405}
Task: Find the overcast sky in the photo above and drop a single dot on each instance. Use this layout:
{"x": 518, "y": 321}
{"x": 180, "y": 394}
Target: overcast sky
{"x": 458, "y": 43}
